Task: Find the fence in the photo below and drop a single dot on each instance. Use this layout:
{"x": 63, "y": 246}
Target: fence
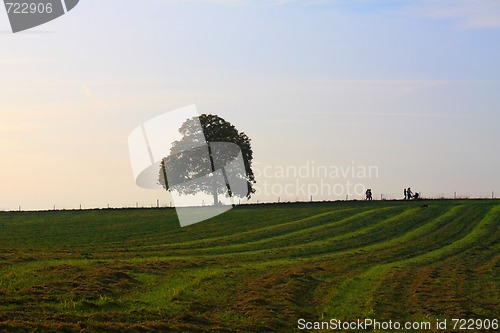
{"x": 169, "y": 204}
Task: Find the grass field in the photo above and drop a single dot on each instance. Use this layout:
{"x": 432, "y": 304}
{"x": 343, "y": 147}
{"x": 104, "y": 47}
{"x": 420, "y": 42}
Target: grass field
{"x": 255, "y": 268}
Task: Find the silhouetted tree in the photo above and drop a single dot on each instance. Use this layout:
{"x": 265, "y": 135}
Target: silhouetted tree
{"x": 190, "y": 167}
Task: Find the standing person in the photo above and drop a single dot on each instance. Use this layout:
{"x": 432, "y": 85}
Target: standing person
{"x": 405, "y": 192}
{"x": 409, "y": 193}
{"x": 369, "y": 194}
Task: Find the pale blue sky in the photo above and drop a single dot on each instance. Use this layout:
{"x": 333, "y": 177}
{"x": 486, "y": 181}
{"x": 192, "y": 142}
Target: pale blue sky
{"x": 408, "y": 86}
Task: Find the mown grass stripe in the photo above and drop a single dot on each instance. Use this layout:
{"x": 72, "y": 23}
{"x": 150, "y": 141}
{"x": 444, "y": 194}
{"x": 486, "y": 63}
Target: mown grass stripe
{"x": 272, "y": 239}
{"x": 317, "y": 244}
{"x": 354, "y": 296}
{"x": 326, "y": 252}
{"x": 264, "y": 232}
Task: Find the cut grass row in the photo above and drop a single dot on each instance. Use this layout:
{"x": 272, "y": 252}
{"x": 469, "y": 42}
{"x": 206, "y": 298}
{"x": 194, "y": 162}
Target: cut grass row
{"x": 257, "y": 268}
{"x": 370, "y": 280}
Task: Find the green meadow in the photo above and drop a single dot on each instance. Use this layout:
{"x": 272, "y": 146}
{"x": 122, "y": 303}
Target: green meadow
{"x": 256, "y": 268}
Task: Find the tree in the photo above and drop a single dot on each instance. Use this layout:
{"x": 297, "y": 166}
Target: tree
{"x": 203, "y": 160}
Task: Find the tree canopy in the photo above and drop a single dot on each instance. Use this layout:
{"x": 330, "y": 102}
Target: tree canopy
{"x": 211, "y": 157}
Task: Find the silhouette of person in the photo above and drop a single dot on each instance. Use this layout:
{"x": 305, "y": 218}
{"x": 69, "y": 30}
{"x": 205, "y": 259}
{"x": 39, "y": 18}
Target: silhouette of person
{"x": 369, "y": 194}
{"x": 409, "y": 193}
{"x": 405, "y": 193}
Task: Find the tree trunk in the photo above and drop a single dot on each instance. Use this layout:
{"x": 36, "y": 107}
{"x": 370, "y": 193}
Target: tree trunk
{"x": 216, "y": 195}
{"x": 212, "y": 165}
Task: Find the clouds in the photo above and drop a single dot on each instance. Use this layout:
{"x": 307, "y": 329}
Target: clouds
{"x": 19, "y": 127}
{"x": 469, "y": 13}
{"x": 21, "y": 61}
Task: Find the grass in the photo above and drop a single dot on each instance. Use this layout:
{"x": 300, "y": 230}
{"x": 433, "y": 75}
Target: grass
{"x": 253, "y": 269}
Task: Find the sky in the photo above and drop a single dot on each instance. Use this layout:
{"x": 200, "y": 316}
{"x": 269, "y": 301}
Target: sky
{"x": 337, "y": 96}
